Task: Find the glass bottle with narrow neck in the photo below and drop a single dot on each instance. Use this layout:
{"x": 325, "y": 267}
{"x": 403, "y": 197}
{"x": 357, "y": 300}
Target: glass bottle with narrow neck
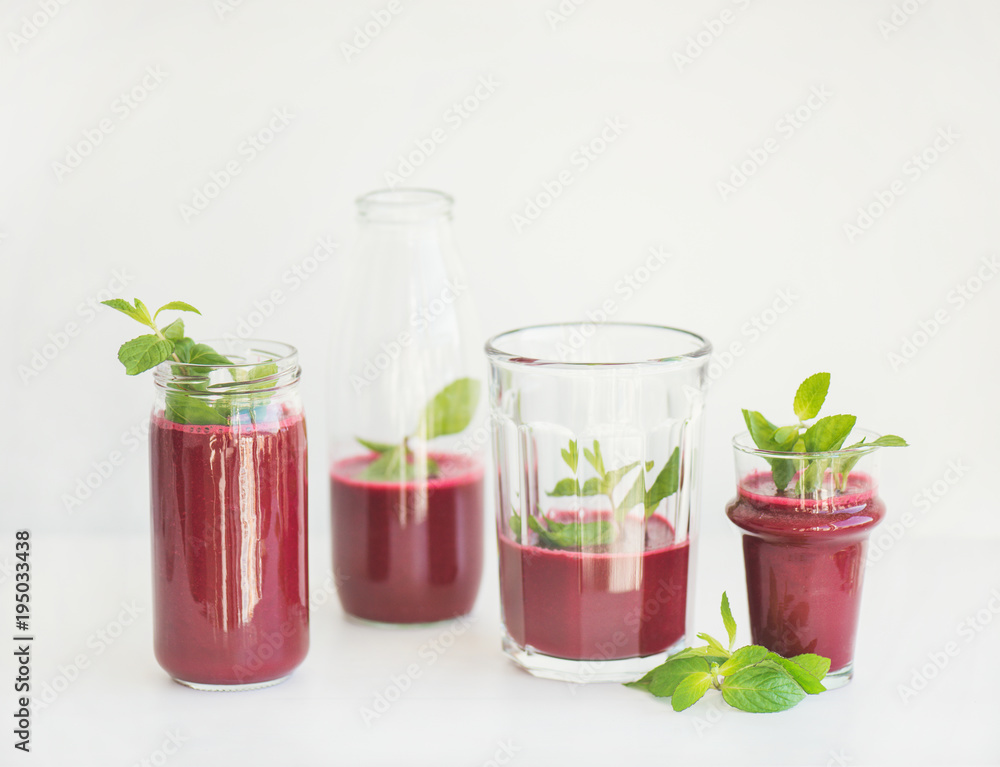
{"x": 406, "y": 431}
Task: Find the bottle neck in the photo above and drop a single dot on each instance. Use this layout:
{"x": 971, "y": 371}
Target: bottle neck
{"x": 419, "y": 243}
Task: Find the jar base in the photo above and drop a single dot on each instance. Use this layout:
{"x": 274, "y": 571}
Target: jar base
{"x": 584, "y": 671}
{"x": 403, "y": 626}
{"x": 840, "y": 677}
{"x": 231, "y": 687}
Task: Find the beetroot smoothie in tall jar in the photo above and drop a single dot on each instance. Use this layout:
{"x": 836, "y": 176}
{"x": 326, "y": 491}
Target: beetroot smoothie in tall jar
{"x": 229, "y": 518}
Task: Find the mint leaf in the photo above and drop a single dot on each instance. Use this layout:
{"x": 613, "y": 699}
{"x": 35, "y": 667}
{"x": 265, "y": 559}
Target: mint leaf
{"x": 595, "y": 459}
{"x": 745, "y": 656}
{"x": 816, "y": 665}
{"x": 806, "y": 680}
{"x": 665, "y": 484}
{"x": 174, "y": 331}
{"x": 690, "y": 690}
{"x": 186, "y": 409}
{"x": 828, "y": 433}
{"x": 765, "y": 435}
{"x": 254, "y": 377}
{"x": 179, "y": 306}
{"x": 709, "y": 653}
{"x": 613, "y": 477}
{"x": 198, "y": 354}
{"x": 714, "y": 644}
{"x": 844, "y": 466}
{"x": 786, "y": 436}
{"x": 376, "y": 447}
{"x": 123, "y": 306}
{"x": 573, "y": 535}
{"x": 182, "y": 348}
{"x": 515, "y": 526}
{"x": 390, "y": 466}
{"x": 143, "y": 353}
{"x": 144, "y": 314}
{"x": 635, "y": 496}
{"x": 763, "y": 688}
{"x": 761, "y": 430}
{"x": 889, "y": 440}
{"x": 782, "y": 471}
{"x": 728, "y": 621}
{"x": 564, "y": 488}
{"x": 571, "y": 456}
{"x": 591, "y": 487}
{"x": 811, "y": 395}
{"x": 812, "y": 478}
{"x": 664, "y": 679}
{"x": 536, "y": 526}
{"x": 451, "y": 409}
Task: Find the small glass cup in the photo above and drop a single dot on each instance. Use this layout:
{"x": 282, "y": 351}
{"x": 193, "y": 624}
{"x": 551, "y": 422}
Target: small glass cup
{"x": 804, "y": 546}
{"x": 596, "y": 430}
{"x": 229, "y": 503}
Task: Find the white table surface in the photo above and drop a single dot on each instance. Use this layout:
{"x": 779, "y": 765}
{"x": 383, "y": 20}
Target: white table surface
{"x": 471, "y": 703}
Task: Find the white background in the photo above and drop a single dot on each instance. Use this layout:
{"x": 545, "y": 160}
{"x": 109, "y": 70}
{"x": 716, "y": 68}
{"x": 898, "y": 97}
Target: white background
{"x": 699, "y": 88}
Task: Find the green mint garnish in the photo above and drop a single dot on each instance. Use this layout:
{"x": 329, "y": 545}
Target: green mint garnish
{"x": 449, "y": 412}
{"x": 571, "y": 535}
{"x": 515, "y": 525}
{"x": 148, "y": 351}
{"x": 751, "y": 678}
{"x": 552, "y": 534}
{"x": 170, "y": 342}
{"x": 823, "y": 435}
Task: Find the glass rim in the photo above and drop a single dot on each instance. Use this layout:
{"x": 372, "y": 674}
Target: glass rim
{"x": 744, "y": 443}
{"x": 284, "y": 356}
{"x": 405, "y": 199}
{"x": 495, "y": 354}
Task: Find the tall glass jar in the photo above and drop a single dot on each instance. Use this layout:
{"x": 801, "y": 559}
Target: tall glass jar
{"x": 229, "y": 504}
{"x": 596, "y": 431}
{"x": 804, "y": 546}
{"x": 406, "y": 475}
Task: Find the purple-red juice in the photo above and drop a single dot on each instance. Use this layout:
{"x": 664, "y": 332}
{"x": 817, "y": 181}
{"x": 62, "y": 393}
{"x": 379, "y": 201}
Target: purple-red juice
{"x": 230, "y": 576}
{"x": 596, "y": 604}
{"x": 804, "y": 565}
{"x": 409, "y": 552}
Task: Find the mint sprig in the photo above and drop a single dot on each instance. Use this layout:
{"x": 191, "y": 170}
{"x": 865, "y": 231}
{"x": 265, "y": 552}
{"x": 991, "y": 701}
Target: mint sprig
{"x": 571, "y": 535}
{"x": 149, "y": 350}
{"x": 604, "y": 482}
{"x": 822, "y": 435}
{"x": 751, "y": 678}
{"x": 449, "y": 412}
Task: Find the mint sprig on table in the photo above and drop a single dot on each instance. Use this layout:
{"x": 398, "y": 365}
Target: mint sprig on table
{"x": 553, "y": 534}
{"x": 823, "y": 435}
{"x": 449, "y": 412}
{"x": 751, "y": 678}
{"x": 170, "y": 342}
